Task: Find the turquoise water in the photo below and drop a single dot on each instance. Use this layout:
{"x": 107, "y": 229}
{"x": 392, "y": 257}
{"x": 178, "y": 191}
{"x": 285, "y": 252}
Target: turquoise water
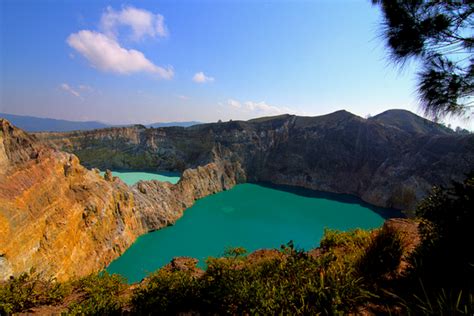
{"x": 249, "y": 215}
{"x": 132, "y": 177}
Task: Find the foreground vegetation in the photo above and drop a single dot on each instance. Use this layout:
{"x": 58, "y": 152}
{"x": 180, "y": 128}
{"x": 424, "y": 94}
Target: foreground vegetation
{"x": 384, "y": 271}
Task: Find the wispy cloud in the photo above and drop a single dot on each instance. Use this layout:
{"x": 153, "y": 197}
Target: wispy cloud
{"x": 200, "y": 77}
{"x": 234, "y": 103}
{"x": 104, "y": 53}
{"x": 85, "y": 87}
{"x": 265, "y": 108}
{"x": 67, "y": 88}
{"x": 256, "y": 108}
{"x": 183, "y": 97}
{"x": 142, "y": 22}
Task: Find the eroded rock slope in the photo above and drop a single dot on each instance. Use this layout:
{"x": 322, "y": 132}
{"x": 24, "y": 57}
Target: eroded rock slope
{"x": 64, "y": 220}
{"x": 390, "y": 160}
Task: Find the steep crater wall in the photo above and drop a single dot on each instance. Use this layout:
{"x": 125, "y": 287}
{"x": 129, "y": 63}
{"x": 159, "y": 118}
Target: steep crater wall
{"x": 66, "y": 221}
{"x": 391, "y": 160}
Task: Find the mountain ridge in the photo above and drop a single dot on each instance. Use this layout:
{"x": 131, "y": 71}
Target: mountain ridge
{"x": 379, "y": 160}
{"x": 40, "y": 124}
{"x": 55, "y": 214}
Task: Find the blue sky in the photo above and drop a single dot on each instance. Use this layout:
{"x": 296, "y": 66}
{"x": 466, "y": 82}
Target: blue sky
{"x": 148, "y": 61}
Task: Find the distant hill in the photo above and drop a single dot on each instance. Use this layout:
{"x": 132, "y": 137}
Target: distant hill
{"x": 39, "y": 124}
{"x": 410, "y": 122}
{"x": 182, "y": 124}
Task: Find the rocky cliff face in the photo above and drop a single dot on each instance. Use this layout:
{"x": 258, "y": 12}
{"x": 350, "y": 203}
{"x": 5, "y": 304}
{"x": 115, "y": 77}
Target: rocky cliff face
{"x": 55, "y": 215}
{"x": 65, "y": 220}
{"x": 163, "y": 203}
{"x": 390, "y": 160}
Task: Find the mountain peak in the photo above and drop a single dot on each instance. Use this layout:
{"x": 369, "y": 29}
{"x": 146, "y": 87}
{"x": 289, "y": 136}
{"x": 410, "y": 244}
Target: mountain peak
{"x": 410, "y": 122}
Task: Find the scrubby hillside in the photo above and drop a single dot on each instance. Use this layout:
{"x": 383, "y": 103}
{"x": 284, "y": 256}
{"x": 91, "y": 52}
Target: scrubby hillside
{"x": 325, "y": 280}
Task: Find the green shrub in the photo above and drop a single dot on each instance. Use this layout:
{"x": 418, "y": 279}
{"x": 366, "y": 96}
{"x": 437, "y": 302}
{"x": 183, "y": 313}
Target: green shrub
{"x": 445, "y": 258}
{"x": 235, "y": 252}
{"x": 100, "y": 295}
{"x": 289, "y": 282}
{"x": 382, "y": 256}
{"x": 354, "y": 239}
{"x": 295, "y": 283}
{"x": 27, "y": 291}
{"x": 166, "y": 292}
{"x": 441, "y": 278}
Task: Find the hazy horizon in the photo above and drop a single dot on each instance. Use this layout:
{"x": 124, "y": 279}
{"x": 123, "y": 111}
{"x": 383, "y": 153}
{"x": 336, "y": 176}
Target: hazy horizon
{"x": 199, "y": 122}
{"x": 197, "y": 61}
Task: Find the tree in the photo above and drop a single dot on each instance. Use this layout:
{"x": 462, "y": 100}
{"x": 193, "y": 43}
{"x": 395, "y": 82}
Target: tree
{"x": 445, "y": 257}
{"x": 440, "y": 35}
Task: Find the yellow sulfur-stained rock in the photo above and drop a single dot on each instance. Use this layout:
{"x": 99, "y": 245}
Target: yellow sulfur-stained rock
{"x": 64, "y": 220}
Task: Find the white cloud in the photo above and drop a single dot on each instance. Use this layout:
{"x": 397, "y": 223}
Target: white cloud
{"x": 106, "y": 54}
{"x": 200, "y": 77}
{"x": 252, "y": 108}
{"x": 183, "y": 97}
{"x": 142, "y": 22}
{"x": 265, "y": 108}
{"x": 234, "y": 103}
{"x": 68, "y": 88}
{"x": 103, "y": 50}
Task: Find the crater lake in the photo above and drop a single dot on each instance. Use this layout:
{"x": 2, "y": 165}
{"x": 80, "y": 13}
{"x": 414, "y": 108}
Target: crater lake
{"x": 252, "y": 216}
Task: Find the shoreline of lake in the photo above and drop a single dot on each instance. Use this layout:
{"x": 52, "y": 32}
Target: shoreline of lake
{"x": 253, "y": 216}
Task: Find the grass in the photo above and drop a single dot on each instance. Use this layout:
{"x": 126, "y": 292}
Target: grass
{"x": 382, "y": 256}
{"x": 29, "y": 290}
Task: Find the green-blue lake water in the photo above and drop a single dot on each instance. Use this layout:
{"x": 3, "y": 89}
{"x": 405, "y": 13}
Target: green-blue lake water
{"x": 132, "y": 177}
{"x": 249, "y": 215}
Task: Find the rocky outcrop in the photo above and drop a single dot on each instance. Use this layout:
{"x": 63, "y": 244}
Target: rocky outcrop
{"x": 390, "y": 160}
{"x": 65, "y": 220}
{"x": 162, "y": 203}
{"x": 56, "y": 215}
{"x": 136, "y": 148}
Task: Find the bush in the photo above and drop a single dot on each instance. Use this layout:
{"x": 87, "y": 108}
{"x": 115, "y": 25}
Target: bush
{"x": 100, "y": 295}
{"x": 235, "y": 252}
{"x": 354, "y": 239}
{"x": 445, "y": 258}
{"x": 166, "y": 292}
{"x": 27, "y": 291}
{"x": 382, "y": 256}
{"x": 286, "y": 282}
{"x": 440, "y": 280}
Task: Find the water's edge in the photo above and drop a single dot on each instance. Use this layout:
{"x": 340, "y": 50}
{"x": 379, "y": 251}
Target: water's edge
{"x": 252, "y": 215}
